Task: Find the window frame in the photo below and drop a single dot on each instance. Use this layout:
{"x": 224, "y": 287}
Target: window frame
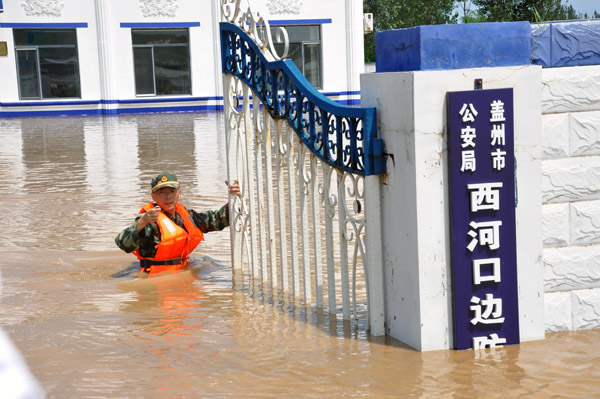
{"x": 36, "y": 48}
{"x": 37, "y": 66}
{"x": 152, "y": 47}
{"x": 303, "y": 44}
{"x": 153, "y": 94}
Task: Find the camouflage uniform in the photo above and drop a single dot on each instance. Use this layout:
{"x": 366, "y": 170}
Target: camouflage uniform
{"x": 149, "y": 237}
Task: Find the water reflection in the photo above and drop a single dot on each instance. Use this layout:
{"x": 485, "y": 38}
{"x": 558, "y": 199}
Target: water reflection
{"x": 112, "y": 164}
{"x": 53, "y": 155}
{"x": 100, "y": 169}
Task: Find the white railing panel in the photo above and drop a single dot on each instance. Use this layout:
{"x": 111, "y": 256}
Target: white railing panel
{"x": 301, "y": 162}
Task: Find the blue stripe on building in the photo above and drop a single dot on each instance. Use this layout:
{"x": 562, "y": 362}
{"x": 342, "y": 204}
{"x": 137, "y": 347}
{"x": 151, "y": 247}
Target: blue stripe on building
{"x": 300, "y": 21}
{"x": 31, "y": 25}
{"x": 159, "y": 24}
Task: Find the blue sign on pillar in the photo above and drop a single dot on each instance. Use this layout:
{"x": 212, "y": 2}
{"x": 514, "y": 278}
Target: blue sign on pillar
{"x": 482, "y": 193}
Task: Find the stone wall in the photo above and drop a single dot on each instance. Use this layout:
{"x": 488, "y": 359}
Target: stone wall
{"x": 570, "y": 55}
{"x": 571, "y": 197}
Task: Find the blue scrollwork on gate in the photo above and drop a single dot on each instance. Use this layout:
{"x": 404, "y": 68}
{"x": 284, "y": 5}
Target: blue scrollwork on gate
{"x": 344, "y": 137}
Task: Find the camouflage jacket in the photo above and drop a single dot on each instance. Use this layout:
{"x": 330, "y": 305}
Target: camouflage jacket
{"x": 149, "y": 237}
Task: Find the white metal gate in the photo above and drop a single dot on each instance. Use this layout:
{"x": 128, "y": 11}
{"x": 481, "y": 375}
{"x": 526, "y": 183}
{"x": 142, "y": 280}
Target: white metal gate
{"x": 309, "y": 174}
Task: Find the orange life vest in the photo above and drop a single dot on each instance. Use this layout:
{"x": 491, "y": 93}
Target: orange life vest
{"x": 175, "y": 244}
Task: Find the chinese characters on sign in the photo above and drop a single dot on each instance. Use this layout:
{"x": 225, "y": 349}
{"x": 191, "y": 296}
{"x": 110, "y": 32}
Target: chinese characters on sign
{"x": 482, "y": 192}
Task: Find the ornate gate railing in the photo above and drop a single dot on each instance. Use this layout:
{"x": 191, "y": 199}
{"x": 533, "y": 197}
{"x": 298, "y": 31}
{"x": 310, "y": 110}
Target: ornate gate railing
{"x": 306, "y": 166}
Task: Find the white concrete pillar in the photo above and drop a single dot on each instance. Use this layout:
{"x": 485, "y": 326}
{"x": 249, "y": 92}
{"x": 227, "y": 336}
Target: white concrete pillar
{"x": 216, "y": 32}
{"x": 354, "y": 34}
{"x": 415, "y": 218}
{"x": 105, "y": 55}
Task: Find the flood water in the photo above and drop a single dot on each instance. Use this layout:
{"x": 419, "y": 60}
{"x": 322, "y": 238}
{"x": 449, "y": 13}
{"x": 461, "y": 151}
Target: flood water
{"x": 88, "y": 327}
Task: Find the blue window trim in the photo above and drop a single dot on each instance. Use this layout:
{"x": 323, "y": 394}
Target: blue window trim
{"x": 300, "y": 21}
{"x": 50, "y": 25}
{"x": 159, "y": 24}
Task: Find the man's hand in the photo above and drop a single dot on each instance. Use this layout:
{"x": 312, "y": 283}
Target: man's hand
{"x": 234, "y": 189}
{"x": 148, "y": 217}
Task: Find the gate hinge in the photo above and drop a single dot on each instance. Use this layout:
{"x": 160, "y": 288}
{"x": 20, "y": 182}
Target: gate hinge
{"x": 378, "y": 156}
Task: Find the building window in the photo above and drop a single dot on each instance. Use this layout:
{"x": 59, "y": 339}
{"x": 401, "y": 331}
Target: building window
{"x": 304, "y": 50}
{"x": 47, "y": 63}
{"x": 161, "y": 59}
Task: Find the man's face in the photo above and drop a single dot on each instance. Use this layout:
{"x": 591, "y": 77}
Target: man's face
{"x": 167, "y": 198}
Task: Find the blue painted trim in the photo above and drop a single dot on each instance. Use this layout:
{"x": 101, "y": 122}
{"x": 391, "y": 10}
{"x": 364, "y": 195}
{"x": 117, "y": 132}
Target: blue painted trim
{"x": 159, "y": 24}
{"x": 300, "y": 21}
{"x": 341, "y": 93}
{"x": 19, "y": 114}
{"x": 349, "y": 102}
{"x": 446, "y": 47}
{"x": 492, "y": 44}
{"x": 103, "y": 102}
{"x": 110, "y": 112}
{"x": 51, "y": 103}
{"x": 189, "y": 108}
{"x": 168, "y": 100}
{"x": 566, "y": 43}
{"x": 31, "y": 25}
{"x": 97, "y": 111}
{"x": 153, "y": 100}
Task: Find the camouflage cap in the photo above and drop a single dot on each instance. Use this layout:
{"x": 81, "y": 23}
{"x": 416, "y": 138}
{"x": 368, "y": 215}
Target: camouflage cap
{"x": 164, "y": 180}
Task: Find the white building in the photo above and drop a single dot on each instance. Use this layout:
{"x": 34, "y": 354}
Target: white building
{"x": 61, "y": 57}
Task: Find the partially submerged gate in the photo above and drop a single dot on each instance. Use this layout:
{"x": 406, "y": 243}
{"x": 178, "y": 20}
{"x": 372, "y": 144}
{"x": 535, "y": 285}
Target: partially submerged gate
{"x": 309, "y": 171}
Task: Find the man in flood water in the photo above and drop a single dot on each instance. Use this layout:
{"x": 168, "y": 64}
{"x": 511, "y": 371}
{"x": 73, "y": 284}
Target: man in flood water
{"x": 164, "y": 233}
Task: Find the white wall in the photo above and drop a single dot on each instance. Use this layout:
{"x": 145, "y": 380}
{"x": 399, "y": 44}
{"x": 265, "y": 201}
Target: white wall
{"x": 571, "y": 197}
{"x": 336, "y": 61}
{"x": 415, "y": 203}
{"x": 201, "y": 45}
{"x": 73, "y": 11}
{"x": 341, "y": 39}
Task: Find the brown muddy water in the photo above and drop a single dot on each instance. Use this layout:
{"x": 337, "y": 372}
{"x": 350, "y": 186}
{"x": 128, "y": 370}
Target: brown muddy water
{"x": 89, "y": 328}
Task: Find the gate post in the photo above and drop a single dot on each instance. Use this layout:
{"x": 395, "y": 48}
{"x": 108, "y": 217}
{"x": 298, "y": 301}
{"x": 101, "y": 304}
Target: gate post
{"x": 375, "y": 277}
{"x": 415, "y": 210}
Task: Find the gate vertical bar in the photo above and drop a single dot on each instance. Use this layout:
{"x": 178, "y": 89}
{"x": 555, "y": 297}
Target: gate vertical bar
{"x": 304, "y": 228}
{"x": 316, "y": 231}
{"x": 267, "y": 143}
{"x": 343, "y": 245}
{"x": 258, "y": 128}
{"x": 231, "y": 142}
{"x": 249, "y": 135}
{"x": 281, "y": 204}
{"x": 329, "y": 214}
{"x": 292, "y": 171}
